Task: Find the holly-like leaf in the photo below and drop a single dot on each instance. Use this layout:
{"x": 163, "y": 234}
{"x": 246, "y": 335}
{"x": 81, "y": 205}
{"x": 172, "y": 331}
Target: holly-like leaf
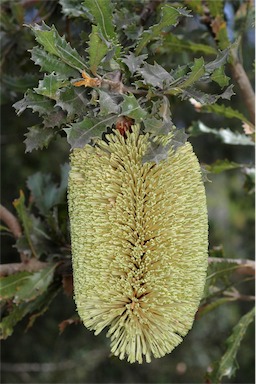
{"x": 10, "y": 285}
{"x": 50, "y": 86}
{"x": 134, "y": 62}
{"x": 174, "y": 43}
{"x": 131, "y": 108}
{"x": 109, "y": 103}
{"x": 38, "y": 103}
{"x": 159, "y": 121}
{"x": 49, "y": 63}
{"x": 222, "y": 165}
{"x": 19, "y": 83}
{"x": 220, "y": 77}
{"x": 73, "y": 100}
{"x": 224, "y": 111}
{"x": 35, "y": 284}
{"x": 155, "y": 75}
{"x": 219, "y": 61}
{"x": 97, "y": 49}
{"x": 56, "y": 45}
{"x": 227, "y": 365}
{"x": 46, "y": 194}
{"x": 197, "y": 71}
{"x": 38, "y": 137}
{"x": 83, "y": 132}
{"x": 201, "y": 97}
{"x": 169, "y": 17}
{"x": 226, "y": 135}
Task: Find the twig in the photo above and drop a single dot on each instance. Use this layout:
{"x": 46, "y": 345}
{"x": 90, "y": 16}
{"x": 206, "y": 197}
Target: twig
{"x": 32, "y": 265}
{"x": 245, "y": 267}
{"x": 11, "y": 221}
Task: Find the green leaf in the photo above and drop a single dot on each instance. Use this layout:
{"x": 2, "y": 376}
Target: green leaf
{"x": 50, "y": 86}
{"x": 155, "y": 75}
{"x": 169, "y": 17}
{"x": 219, "y": 61}
{"x": 83, "y": 132}
{"x": 176, "y": 44}
{"x": 38, "y": 137}
{"x": 10, "y": 285}
{"x": 197, "y": 71}
{"x": 227, "y": 365}
{"x": 131, "y": 108}
{"x": 222, "y": 165}
{"x": 38, "y": 103}
{"x": 159, "y": 122}
{"x": 108, "y": 103}
{"x": 35, "y": 284}
{"x": 45, "y": 192}
{"x": 73, "y": 100}
{"x": 56, "y": 45}
{"x": 222, "y": 110}
{"x": 97, "y": 49}
{"x": 102, "y": 13}
{"x": 226, "y": 135}
{"x": 216, "y": 7}
{"x": 219, "y": 77}
{"x": 201, "y": 97}
{"x": 133, "y": 62}
{"x": 18, "y": 83}
{"x": 50, "y": 63}
{"x": 72, "y": 8}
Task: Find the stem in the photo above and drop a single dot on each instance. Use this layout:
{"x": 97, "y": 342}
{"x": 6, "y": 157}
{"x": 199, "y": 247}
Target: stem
{"x": 245, "y": 267}
{"x": 31, "y": 265}
{"x": 11, "y": 221}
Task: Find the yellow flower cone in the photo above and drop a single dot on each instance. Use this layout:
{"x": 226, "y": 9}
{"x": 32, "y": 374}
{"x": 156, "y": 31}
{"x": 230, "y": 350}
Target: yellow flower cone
{"x": 139, "y": 243}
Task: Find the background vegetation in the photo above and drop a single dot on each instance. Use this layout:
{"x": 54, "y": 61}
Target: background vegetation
{"x": 203, "y": 55}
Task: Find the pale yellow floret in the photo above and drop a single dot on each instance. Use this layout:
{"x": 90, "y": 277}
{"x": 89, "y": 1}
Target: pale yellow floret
{"x": 139, "y": 243}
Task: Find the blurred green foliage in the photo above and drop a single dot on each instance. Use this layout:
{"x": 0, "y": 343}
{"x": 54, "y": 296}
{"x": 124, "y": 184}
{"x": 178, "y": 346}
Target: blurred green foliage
{"x": 183, "y": 46}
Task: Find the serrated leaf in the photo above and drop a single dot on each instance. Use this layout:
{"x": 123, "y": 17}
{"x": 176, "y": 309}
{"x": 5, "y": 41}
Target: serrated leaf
{"x": 177, "y": 44}
{"x": 131, "y": 108}
{"x": 159, "y": 122}
{"x": 155, "y": 75}
{"x": 102, "y": 12}
{"x": 80, "y": 134}
{"x": 46, "y": 194}
{"x": 97, "y": 49}
{"x": 10, "y": 285}
{"x": 73, "y": 100}
{"x": 222, "y": 165}
{"x": 38, "y": 137}
{"x": 54, "y": 119}
{"x": 72, "y": 8}
{"x": 50, "y": 86}
{"x": 134, "y": 62}
{"x": 219, "y": 61}
{"x": 227, "y": 365}
{"x": 201, "y": 97}
{"x": 169, "y": 17}
{"x": 35, "y": 284}
{"x": 156, "y": 152}
{"x": 56, "y": 45}
{"x": 197, "y": 71}
{"x": 18, "y": 83}
{"x": 109, "y": 103}
{"x": 37, "y": 103}
{"x": 222, "y": 110}
{"x": 226, "y": 135}
{"x": 220, "y": 77}
{"x": 50, "y": 63}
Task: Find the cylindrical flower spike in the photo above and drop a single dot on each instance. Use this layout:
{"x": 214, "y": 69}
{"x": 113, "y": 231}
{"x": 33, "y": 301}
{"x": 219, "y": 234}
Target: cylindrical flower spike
{"x": 139, "y": 236}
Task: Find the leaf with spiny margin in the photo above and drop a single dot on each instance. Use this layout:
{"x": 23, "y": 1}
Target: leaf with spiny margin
{"x": 10, "y": 285}
{"x": 47, "y": 194}
{"x": 56, "y": 45}
{"x": 201, "y": 97}
{"x": 97, "y": 49}
{"x": 225, "y": 135}
{"x": 159, "y": 122}
{"x": 220, "y": 77}
{"x": 221, "y": 59}
{"x": 73, "y": 100}
{"x": 169, "y": 17}
{"x": 133, "y": 62}
{"x": 195, "y": 5}
{"x": 38, "y": 137}
{"x": 20, "y": 83}
{"x": 50, "y": 86}
{"x": 38, "y": 103}
{"x": 102, "y": 13}
{"x": 131, "y": 108}
{"x": 55, "y": 119}
{"x": 227, "y": 365}
{"x": 49, "y": 63}
{"x": 155, "y": 75}
{"x": 221, "y": 166}
{"x": 109, "y": 103}
{"x": 177, "y": 44}
{"x": 72, "y": 8}
{"x": 80, "y": 134}
{"x": 35, "y": 284}
{"x": 197, "y": 71}
{"x": 222, "y": 110}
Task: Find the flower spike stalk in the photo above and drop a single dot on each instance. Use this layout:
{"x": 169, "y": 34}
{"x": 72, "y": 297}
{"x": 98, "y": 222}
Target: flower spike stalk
{"x": 139, "y": 236}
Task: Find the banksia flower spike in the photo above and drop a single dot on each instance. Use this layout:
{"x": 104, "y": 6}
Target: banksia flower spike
{"x": 139, "y": 243}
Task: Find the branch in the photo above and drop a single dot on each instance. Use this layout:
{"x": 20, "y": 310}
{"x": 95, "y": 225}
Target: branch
{"x": 11, "y": 221}
{"x": 245, "y": 267}
{"x": 32, "y": 265}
